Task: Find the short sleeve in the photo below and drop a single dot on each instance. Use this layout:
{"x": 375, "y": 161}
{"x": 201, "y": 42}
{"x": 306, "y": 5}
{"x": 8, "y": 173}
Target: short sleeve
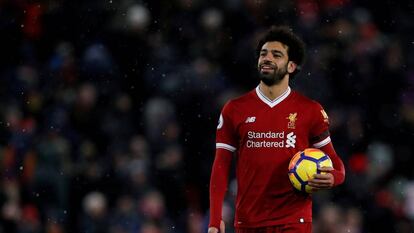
{"x": 319, "y": 133}
{"x": 226, "y": 135}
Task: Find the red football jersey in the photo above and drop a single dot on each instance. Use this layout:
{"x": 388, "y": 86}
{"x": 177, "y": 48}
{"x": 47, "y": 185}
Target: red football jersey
{"x": 265, "y": 134}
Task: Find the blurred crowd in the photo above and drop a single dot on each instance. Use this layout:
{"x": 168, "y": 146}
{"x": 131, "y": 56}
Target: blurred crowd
{"x": 108, "y": 109}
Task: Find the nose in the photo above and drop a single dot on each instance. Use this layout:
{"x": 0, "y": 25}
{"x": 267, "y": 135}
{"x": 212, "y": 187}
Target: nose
{"x": 267, "y": 58}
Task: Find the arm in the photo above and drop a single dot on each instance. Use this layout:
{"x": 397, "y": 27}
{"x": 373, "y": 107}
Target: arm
{"x": 339, "y": 170}
{"x": 320, "y": 138}
{"x": 225, "y": 140}
{"x": 332, "y": 177}
{"x": 218, "y": 186}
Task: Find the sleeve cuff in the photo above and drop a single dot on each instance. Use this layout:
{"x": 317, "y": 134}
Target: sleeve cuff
{"x": 339, "y": 177}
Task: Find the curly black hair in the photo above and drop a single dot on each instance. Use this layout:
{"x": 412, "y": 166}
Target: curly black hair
{"x": 283, "y": 34}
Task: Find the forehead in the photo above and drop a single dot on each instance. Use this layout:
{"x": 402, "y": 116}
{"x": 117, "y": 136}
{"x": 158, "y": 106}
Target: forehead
{"x": 275, "y": 45}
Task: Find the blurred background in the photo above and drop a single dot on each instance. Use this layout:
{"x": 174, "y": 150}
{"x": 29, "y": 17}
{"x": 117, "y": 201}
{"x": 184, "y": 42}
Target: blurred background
{"x": 108, "y": 109}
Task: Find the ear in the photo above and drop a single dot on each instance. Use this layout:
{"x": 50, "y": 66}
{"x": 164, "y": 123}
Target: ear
{"x": 291, "y": 67}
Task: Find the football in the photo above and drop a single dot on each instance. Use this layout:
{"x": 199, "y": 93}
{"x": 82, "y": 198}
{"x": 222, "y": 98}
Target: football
{"x": 304, "y": 165}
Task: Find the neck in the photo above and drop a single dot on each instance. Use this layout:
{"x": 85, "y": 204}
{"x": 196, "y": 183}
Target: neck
{"x": 274, "y": 91}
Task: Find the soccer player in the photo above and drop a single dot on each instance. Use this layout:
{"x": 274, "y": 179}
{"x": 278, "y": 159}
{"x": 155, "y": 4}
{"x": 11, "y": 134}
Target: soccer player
{"x": 264, "y": 128}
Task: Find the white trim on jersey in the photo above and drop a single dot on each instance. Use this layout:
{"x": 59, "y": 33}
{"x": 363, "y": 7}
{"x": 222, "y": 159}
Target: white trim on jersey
{"x": 225, "y": 146}
{"x": 322, "y": 143}
{"x": 274, "y": 102}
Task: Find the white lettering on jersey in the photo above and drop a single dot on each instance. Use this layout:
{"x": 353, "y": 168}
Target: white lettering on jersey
{"x": 269, "y": 134}
{"x": 264, "y": 144}
{"x": 250, "y": 119}
{"x": 290, "y": 140}
{"x": 270, "y": 139}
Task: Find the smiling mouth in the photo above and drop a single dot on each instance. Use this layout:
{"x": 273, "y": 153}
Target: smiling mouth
{"x": 267, "y": 68}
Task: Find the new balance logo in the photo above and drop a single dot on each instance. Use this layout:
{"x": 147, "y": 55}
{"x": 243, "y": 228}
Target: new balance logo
{"x": 250, "y": 119}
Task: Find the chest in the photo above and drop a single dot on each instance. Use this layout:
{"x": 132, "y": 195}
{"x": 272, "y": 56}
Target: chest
{"x": 272, "y": 129}
{"x": 277, "y": 120}
{"x": 268, "y": 138}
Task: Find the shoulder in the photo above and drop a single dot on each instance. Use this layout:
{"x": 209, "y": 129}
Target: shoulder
{"x": 312, "y": 107}
{"x": 242, "y": 100}
{"x": 306, "y": 101}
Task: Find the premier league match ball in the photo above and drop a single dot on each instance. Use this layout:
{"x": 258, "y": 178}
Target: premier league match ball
{"x": 304, "y": 165}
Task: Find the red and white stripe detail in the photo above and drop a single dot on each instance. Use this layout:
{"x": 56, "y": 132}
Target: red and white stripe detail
{"x": 274, "y": 102}
{"x": 322, "y": 143}
{"x": 225, "y": 146}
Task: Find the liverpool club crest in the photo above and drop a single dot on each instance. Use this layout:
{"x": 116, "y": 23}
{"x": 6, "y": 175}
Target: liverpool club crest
{"x": 292, "y": 120}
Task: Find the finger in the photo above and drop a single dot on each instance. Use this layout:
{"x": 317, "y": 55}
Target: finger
{"x": 322, "y": 176}
{"x": 319, "y": 182}
{"x": 325, "y": 169}
{"x": 319, "y": 187}
{"x": 212, "y": 230}
{"x": 222, "y": 227}
{"x": 323, "y": 184}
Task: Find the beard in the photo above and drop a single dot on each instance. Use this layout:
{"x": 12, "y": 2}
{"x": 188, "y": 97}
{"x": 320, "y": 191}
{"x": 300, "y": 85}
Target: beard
{"x": 270, "y": 78}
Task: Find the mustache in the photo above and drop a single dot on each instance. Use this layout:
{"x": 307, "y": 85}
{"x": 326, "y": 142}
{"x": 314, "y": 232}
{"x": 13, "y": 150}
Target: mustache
{"x": 268, "y": 63}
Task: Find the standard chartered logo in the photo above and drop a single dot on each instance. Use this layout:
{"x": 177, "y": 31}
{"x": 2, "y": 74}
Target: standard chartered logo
{"x": 290, "y": 140}
{"x": 270, "y": 139}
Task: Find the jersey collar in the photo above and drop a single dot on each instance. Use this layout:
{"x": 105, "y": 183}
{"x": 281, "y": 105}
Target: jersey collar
{"x": 274, "y": 102}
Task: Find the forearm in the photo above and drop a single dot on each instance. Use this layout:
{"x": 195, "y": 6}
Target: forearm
{"x": 218, "y": 184}
{"x": 339, "y": 169}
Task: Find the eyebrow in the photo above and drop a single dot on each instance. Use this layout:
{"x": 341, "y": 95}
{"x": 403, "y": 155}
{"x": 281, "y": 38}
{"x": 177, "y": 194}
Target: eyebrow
{"x": 273, "y": 51}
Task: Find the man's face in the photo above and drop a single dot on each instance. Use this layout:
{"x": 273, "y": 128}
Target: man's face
{"x": 273, "y": 62}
